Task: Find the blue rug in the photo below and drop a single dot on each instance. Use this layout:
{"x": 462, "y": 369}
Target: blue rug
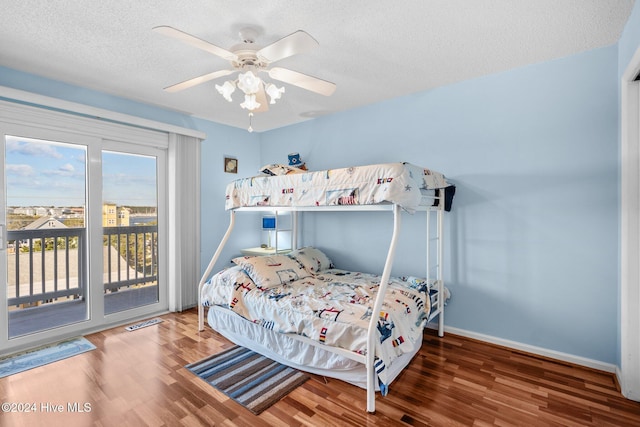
{"x": 41, "y": 356}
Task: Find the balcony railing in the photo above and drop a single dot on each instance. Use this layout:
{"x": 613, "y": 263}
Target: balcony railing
{"x": 135, "y": 260}
{"x": 48, "y": 265}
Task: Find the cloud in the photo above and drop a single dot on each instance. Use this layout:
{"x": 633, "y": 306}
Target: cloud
{"x": 67, "y": 168}
{"x": 62, "y": 172}
{"x": 20, "y": 170}
{"x": 32, "y": 149}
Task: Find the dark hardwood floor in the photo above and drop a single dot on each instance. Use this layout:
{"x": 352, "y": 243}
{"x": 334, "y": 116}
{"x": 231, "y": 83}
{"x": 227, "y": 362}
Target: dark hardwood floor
{"x": 138, "y": 379}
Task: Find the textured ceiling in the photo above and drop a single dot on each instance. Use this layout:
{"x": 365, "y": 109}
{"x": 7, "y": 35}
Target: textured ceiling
{"x": 373, "y": 50}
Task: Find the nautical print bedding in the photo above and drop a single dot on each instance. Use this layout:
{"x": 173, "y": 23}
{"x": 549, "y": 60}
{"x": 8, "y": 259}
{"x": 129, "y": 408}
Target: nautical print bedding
{"x": 400, "y": 183}
{"x": 332, "y": 307}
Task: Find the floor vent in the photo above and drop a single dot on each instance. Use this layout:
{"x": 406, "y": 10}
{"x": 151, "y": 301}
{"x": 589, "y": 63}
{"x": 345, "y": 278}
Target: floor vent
{"x": 143, "y": 324}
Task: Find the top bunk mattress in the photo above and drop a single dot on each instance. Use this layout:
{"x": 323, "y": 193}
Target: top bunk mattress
{"x": 401, "y": 183}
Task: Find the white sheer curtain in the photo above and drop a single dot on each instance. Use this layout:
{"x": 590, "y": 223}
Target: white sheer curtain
{"x": 184, "y": 220}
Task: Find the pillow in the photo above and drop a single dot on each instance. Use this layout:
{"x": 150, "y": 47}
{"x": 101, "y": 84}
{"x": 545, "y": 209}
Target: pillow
{"x": 276, "y": 169}
{"x": 231, "y": 276}
{"x": 271, "y": 270}
{"x": 312, "y": 259}
{"x": 216, "y": 291}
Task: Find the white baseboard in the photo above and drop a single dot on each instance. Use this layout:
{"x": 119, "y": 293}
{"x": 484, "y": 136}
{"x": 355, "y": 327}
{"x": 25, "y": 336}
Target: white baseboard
{"x": 619, "y": 379}
{"x": 540, "y": 351}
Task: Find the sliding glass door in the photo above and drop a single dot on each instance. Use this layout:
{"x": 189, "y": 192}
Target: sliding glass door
{"x": 82, "y": 240}
{"x": 130, "y": 228}
{"x": 46, "y": 262}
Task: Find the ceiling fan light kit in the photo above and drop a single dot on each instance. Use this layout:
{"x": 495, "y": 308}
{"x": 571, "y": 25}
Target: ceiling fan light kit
{"x": 249, "y": 60}
{"x": 250, "y": 103}
{"x": 274, "y": 92}
{"x": 226, "y": 90}
{"x": 249, "y": 83}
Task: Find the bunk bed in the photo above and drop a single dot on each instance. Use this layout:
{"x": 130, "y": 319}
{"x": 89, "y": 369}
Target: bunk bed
{"x": 339, "y": 337}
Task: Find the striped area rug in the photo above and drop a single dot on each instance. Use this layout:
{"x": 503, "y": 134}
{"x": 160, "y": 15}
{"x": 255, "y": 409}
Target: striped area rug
{"x": 247, "y": 377}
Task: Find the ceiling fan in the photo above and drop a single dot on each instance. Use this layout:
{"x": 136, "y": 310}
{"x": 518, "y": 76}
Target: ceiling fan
{"x": 251, "y": 60}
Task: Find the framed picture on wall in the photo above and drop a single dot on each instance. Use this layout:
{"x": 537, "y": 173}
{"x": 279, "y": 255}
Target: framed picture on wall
{"x": 230, "y": 165}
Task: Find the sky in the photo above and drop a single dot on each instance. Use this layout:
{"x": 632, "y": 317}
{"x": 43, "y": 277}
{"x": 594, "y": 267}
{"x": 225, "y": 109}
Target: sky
{"x": 43, "y": 173}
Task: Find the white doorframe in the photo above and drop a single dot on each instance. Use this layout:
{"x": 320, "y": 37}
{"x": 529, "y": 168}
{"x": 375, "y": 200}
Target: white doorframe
{"x": 630, "y": 232}
{"x": 45, "y": 124}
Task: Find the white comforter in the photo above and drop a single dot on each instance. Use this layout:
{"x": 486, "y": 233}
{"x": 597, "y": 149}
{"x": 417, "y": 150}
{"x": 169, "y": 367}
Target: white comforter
{"x": 332, "y": 307}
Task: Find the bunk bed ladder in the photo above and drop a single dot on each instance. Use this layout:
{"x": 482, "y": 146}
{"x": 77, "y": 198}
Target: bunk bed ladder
{"x": 436, "y": 266}
{"x": 441, "y": 295}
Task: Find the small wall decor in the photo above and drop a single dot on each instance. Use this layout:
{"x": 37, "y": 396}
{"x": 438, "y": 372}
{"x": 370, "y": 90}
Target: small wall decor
{"x": 230, "y": 165}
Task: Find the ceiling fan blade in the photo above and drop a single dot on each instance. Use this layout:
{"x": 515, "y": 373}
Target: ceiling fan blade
{"x": 304, "y": 81}
{"x": 298, "y": 42}
{"x": 195, "y": 41}
{"x": 261, "y": 97}
{"x": 197, "y": 80}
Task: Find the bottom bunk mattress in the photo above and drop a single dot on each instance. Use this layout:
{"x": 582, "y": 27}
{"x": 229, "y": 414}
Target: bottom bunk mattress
{"x": 329, "y": 306}
{"x": 292, "y": 352}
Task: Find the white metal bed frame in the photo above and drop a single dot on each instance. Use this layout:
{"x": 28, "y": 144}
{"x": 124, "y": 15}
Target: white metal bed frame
{"x": 434, "y": 272}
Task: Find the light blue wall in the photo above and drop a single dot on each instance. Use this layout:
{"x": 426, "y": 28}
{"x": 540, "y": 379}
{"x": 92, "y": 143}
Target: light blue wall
{"x": 55, "y": 89}
{"x": 628, "y": 44}
{"x": 532, "y": 240}
{"x": 221, "y": 142}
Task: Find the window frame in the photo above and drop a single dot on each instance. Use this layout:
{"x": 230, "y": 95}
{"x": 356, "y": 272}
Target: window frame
{"x": 97, "y": 134}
